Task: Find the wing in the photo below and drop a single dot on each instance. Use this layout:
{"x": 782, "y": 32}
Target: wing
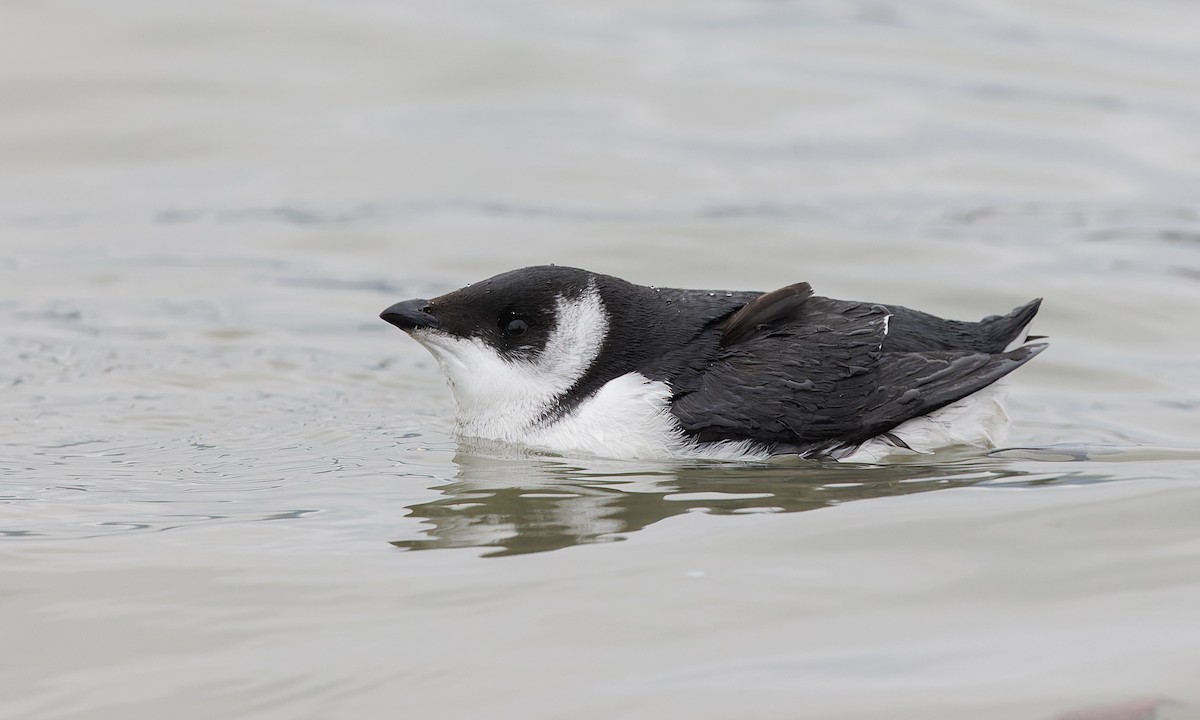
{"x": 819, "y": 376}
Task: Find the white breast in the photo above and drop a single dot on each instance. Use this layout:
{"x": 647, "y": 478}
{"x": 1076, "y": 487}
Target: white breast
{"x": 629, "y": 417}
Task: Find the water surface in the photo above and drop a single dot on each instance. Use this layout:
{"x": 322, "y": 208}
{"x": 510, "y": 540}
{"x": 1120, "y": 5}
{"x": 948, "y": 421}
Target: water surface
{"x": 227, "y": 489}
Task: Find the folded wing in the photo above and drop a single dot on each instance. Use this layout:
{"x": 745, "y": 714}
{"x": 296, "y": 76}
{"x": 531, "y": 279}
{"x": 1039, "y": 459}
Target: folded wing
{"x": 811, "y": 374}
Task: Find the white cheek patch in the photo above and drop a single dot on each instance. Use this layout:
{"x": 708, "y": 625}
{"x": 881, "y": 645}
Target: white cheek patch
{"x": 501, "y": 398}
{"x": 579, "y": 331}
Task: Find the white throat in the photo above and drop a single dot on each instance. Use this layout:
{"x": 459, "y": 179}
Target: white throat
{"x": 500, "y": 398}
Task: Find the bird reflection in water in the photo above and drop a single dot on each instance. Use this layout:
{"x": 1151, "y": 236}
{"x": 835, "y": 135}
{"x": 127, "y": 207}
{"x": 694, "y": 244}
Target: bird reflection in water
{"x": 518, "y": 504}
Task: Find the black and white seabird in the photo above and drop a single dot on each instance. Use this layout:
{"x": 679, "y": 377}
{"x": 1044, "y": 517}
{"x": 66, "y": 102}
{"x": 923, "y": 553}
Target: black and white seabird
{"x": 571, "y": 361}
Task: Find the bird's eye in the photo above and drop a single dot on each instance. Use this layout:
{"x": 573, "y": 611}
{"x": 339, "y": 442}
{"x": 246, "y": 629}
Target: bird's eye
{"x": 516, "y": 326}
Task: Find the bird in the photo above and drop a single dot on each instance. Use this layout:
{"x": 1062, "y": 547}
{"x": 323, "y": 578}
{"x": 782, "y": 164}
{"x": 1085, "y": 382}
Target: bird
{"x": 567, "y": 361}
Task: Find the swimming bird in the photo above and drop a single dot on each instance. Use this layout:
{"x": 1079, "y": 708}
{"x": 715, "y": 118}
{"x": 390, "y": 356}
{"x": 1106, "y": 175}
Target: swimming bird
{"x": 571, "y": 361}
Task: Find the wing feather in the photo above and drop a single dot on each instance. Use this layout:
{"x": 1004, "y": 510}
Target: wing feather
{"x": 773, "y": 308}
{"x": 804, "y": 373}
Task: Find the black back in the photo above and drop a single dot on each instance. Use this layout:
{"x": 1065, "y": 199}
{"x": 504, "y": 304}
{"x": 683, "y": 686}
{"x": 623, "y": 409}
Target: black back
{"x": 829, "y": 374}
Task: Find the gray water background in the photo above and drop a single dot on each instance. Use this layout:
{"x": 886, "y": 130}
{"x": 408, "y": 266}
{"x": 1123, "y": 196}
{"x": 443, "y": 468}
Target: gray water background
{"x": 228, "y": 490}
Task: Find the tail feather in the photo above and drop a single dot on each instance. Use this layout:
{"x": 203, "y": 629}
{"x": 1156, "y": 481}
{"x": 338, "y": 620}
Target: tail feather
{"x": 1006, "y": 332}
{"x": 915, "y": 331}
